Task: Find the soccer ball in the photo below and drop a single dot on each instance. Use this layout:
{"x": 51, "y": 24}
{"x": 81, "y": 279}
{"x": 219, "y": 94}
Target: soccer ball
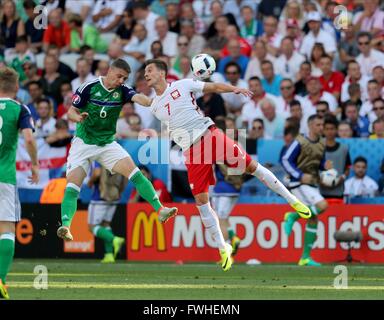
{"x": 203, "y": 66}
{"x": 329, "y": 177}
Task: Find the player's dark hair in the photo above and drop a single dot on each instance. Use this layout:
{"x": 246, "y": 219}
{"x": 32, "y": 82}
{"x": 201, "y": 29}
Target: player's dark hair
{"x": 160, "y": 65}
{"x": 360, "y": 159}
{"x": 121, "y": 64}
{"x": 331, "y": 119}
{"x": 9, "y": 79}
{"x": 292, "y": 130}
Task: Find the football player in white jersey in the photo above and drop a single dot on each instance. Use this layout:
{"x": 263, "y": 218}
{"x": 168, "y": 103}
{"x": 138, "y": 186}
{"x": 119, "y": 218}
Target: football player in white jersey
{"x": 204, "y": 145}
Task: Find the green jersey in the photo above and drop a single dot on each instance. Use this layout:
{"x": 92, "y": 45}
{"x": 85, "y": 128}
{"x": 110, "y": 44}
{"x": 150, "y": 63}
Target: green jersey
{"x": 103, "y": 107}
{"x": 13, "y": 116}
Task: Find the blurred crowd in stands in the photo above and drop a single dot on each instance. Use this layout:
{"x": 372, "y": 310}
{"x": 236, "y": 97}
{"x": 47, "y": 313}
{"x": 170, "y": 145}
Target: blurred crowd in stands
{"x": 298, "y": 57}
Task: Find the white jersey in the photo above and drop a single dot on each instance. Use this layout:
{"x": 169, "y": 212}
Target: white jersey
{"x": 177, "y": 108}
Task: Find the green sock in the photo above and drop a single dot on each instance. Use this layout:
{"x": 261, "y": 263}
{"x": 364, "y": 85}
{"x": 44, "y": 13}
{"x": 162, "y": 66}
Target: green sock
{"x": 231, "y": 233}
{"x": 145, "y": 189}
{"x": 294, "y": 216}
{"x": 7, "y": 250}
{"x": 309, "y": 238}
{"x": 106, "y": 235}
{"x": 69, "y": 204}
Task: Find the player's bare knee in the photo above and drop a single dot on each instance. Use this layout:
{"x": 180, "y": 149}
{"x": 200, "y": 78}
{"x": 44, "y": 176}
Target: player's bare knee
{"x": 90, "y": 227}
{"x": 322, "y": 205}
{"x": 202, "y": 199}
{"x": 7, "y": 227}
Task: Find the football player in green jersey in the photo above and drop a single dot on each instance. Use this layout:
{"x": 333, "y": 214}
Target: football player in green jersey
{"x": 96, "y": 106}
{"x": 13, "y": 116}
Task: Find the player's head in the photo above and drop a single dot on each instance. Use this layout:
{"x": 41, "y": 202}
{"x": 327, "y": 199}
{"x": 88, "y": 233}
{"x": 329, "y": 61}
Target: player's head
{"x": 118, "y": 73}
{"x": 316, "y": 125}
{"x": 155, "y": 70}
{"x": 330, "y": 126}
{"x": 9, "y": 82}
{"x": 360, "y": 167}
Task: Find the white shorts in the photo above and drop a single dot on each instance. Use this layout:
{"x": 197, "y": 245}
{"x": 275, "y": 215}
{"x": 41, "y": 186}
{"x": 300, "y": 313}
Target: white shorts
{"x": 9, "y": 203}
{"x": 307, "y": 194}
{"x": 82, "y": 155}
{"x": 223, "y": 205}
{"x": 100, "y": 211}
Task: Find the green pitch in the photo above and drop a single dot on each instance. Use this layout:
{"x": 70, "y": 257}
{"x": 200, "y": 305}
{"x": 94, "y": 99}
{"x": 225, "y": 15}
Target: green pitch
{"x": 88, "y": 279}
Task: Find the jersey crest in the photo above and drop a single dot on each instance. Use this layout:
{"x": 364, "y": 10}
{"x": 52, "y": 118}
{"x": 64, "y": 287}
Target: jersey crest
{"x": 175, "y": 94}
{"x": 76, "y": 99}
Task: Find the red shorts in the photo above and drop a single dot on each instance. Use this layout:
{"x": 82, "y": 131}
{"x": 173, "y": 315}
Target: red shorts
{"x": 213, "y": 147}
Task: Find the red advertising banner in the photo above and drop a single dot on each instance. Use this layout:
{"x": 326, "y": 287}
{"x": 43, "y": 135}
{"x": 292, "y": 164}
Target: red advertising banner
{"x": 262, "y": 232}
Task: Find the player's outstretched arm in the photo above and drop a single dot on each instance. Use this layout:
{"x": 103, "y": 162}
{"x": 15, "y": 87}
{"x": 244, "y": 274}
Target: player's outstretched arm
{"x": 75, "y": 115}
{"x": 142, "y": 99}
{"x": 223, "y": 88}
{"x": 31, "y": 147}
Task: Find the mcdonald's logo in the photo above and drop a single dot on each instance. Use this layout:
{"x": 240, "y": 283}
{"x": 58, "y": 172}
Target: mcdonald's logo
{"x": 148, "y": 223}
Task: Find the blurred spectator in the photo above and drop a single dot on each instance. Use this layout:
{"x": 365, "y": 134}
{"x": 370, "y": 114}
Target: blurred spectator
{"x": 83, "y": 69}
{"x": 171, "y": 75}
{"x": 129, "y": 126}
{"x": 52, "y": 79}
{"x": 254, "y": 133}
{"x": 63, "y": 69}
{"x": 158, "y": 185}
{"x": 15, "y": 57}
{"x": 160, "y": 6}
{"x": 35, "y": 35}
{"x": 271, "y": 37}
{"x": 36, "y": 92}
{"x": 287, "y": 90}
{"x": 156, "y": 50}
{"x": 234, "y": 55}
{"x": 196, "y": 41}
{"x": 140, "y": 44}
{"x": 297, "y": 113}
{"x": 66, "y": 94}
{"x": 217, "y": 12}
{"x": 270, "y": 81}
{"x": 182, "y": 51}
{"x": 251, "y": 109}
{"x": 354, "y": 75}
{"x": 45, "y": 125}
{"x": 359, "y": 124}
{"x": 81, "y": 7}
{"x": 302, "y": 78}
{"x": 344, "y": 130}
{"x": 291, "y": 14}
{"x": 295, "y": 33}
{"x": 102, "y": 68}
{"x": 61, "y": 137}
{"x": 288, "y": 63}
{"x": 317, "y": 52}
{"x": 30, "y": 72}
{"x": 188, "y": 13}
{"x": 185, "y": 68}
{"x": 212, "y": 104}
{"x": 107, "y": 14}
{"x": 173, "y": 17}
{"x": 125, "y": 29}
{"x": 373, "y": 94}
{"x": 146, "y": 17}
{"x": 268, "y": 8}
{"x": 234, "y": 8}
{"x": 88, "y": 54}
{"x": 369, "y": 57}
{"x": 259, "y": 54}
{"x": 370, "y": 19}
{"x": 338, "y": 154}
{"x": 231, "y": 32}
{"x": 146, "y": 116}
{"x": 360, "y": 185}
{"x": 84, "y": 34}
{"x": 217, "y": 42}
{"x": 330, "y": 16}
{"x": 57, "y": 33}
{"x": 348, "y": 48}
{"x": 322, "y": 109}
{"x": 51, "y": 5}
{"x": 378, "y": 75}
{"x": 316, "y": 94}
{"x": 167, "y": 38}
{"x": 11, "y": 26}
{"x": 251, "y": 27}
{"x": 273, "y": 122}
{"x": 354, "y": 91}
{"x": 378, "y": 108}
{"x": 316, "y": 34}
{"x": 377, "y": 129}
{"x": 234, "y": 102}
{"x": 330, "y": 80}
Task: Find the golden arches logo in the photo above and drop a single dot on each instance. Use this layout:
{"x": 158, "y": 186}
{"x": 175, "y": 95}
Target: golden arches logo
{"x": 148, "y": 223}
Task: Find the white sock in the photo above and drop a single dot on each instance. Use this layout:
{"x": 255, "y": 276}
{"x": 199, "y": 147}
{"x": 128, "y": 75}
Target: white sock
{"x": 211, "y": 223}
{"x": 269, "y": 179}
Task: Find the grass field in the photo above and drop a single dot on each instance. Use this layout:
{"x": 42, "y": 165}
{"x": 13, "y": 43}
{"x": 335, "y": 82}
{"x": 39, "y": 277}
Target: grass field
{"x": 88, "y": 279}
